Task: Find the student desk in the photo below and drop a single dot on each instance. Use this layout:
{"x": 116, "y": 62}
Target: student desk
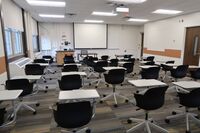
{"x": 148, "y": 66}
{"x": 186, "y": 85}
{"x": 144, "y": 83}
{"x": 111, "y": 68}
{"x": 6, "y": 95}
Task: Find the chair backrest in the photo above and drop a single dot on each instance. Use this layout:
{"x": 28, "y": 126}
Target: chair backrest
{"x": 170, "y": 62}
{"x": 115, "y": 76}
{"x": 180, "y": 71}
{"x": 2, "y": 114}
{"x": 73, "y": 115}
{"x": 166, "y": 67}
{"x": 131, "y": 60}
{"x": 150, "y": 63}
{"x": 40, "y": 61}
{"x": 34, "y": 69}
{"x": 113, "y": 62}
{"x": 104, "y": 57}
{"x": 129, "y": 67}
{"x": 195, "y": 74}
{"x": 68, "y": 59}
{"x": 23, "y": 84}
{"x": 150, "y": 73}
{"x": 70, "y": 82}
{"x": 191, "y": 99}
{"x": 70, "y": 68}
{"x": 47, "y": 57}
{"x": 150, "y": 58}
{"x": 99, "y": 66}
{"x": 127, "y": 56}
{"x": 152, "y": 99}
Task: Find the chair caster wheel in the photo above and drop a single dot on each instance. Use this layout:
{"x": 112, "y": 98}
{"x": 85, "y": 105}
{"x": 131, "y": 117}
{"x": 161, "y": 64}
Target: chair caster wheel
{"x": 35, "y": 112}
{"x": 37, "y": 104}
{"x": 96, "y": 86}
{"x": 46, "y": 87}
{"x": 90, "y": 84}
{"x": 126, "y": 101}
{"x": 174, "y": 113}
{"x": 197, "y": 117}
{"x": 121, "y": 84}
{"x": 199, "y": 108}
{"x": 162, "y": 80}
{"x": 115, "y": 105}
{"x": 88, "y": 78}
{"x": 45, "y": 91}
{"x": 187, "y": 132}
{"x": 101, "y": 102}
{"x": 167, "y": 121}
{"x": 107, "y": 85}
{"x": 104, "y": 95}
{"x": 129, "y": 121}
{"x": 88, "y": 131}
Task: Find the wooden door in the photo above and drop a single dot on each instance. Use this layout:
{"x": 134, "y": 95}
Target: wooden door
{"x": 192, "y": 42}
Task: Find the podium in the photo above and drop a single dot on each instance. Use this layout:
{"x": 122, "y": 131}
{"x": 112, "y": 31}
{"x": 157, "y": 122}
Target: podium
{"x": 61, "y": 54}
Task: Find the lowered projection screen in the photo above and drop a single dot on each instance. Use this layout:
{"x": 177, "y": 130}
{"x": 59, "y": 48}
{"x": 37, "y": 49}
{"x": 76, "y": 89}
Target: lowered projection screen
{"x": 90, "y": 36}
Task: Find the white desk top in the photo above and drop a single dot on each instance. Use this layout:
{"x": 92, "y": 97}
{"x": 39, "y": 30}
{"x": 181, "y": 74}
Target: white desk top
{"x": 30, "y": 77}
{"x": 78, "y": 94}
{"x": 187, "y": 84}
{"x": 110, "y": 68}
{"x": 123, "y": 62}
{"x": 193, "y": 67}
{"x": 42, "y": 64}
{"x": 72, "y": 73}
{"x": 147, "y": 66}
{"x": 146, "y": 83}
{"x": 9, "y": 94}
{"x": 143, "y": 62}
{"x": 78, "y": 64}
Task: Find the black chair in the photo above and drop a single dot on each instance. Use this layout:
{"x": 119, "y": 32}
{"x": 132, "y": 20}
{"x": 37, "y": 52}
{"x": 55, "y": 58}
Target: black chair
{"x": 47, "y": 57}
{"x": 27, "y": 87}
{"x": 179, "y": 72}
{"x": 74, "y": 115}
{"x": 113, "y": 62}
{"x": 34, "y": 69}
{"x": 149, "y": 63}
{"x": 195, "y": 74}
{"x": 70, "y": 68}
{"x": 104, "y": 57}
{"x": 70, "y": 82}
{"x": 114, "y": 77}
{"x": 127, "y": 56}
{"x": 149, "y": 58}
{"x": 132, "y": 60}
{"x": 150, "y": 73}
{"x": 188, "y": 100}
{"x": 129, "y": 67}
{"x": 6, "y": 123}
{"x": 40, "y": 61}
{"x": 166, "y": 68}
{"x": 98, "y": 68}
{"x": 151, "y": 100}
{"x": 68, "y": 59}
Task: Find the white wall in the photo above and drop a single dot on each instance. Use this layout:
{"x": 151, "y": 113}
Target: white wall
{"x": 121, "y": 38}
{"x": 169, "y": 34}
{"x": 12, "y": 15}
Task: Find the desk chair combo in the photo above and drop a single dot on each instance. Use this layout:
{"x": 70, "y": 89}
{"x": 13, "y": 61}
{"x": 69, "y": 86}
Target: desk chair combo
{"x": 98, "y": 68}
{"x": 73, "y": 116}
{"x": 40, "y": 61}
{"x": 114, "y": 77}
{"x": 27, "y": 87}
{"x": 149, "y": 58}
{"x": 105, "y": 57}
{"x": 151, "y": 100}
{"x": 195, "y": 75}
{"x": 179, "y": 72}
{"x": 113, "y": 62}
{"x": 70, "y": 68}
{"x": 68, "y": 59}
{"x": 188, "y": 100}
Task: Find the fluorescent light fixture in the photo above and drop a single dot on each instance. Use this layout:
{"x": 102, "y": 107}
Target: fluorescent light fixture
{"x": 129, "y": 1}
{"x": 137, "y": 20}
{"x": 122, "y": 9}
{"x": 169, "y": 12}
{"x": 104, "y": 13}
{"x": 51, "y": 16}
{"x": 93, "y": 21}
{"x": 46, "y": 3}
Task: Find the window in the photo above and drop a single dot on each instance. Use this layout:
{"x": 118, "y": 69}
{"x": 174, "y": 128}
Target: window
{"x": 14, "y": 45}
{"x": 35, "y": 43}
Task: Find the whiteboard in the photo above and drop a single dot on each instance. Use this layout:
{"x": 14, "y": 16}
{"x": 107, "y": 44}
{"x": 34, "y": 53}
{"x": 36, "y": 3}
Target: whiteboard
{"x": 90, "y": 36}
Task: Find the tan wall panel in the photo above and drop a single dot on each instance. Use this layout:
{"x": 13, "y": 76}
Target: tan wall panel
{"x": 167, "y": 52}
{"x": 2, "y": 65}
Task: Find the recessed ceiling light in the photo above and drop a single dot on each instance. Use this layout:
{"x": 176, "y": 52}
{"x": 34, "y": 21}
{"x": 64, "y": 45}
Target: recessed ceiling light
{"x": 137, "y": 20}
{"x": 104, "y": 13}
{"x": 169, "y": 12}
{"x": 51, "y": 16}
{"x": 129, "y": 1}
{"x": 93, "y": 21}
{"x": 122, "y": 9}
{"x": 46, "y": 3}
